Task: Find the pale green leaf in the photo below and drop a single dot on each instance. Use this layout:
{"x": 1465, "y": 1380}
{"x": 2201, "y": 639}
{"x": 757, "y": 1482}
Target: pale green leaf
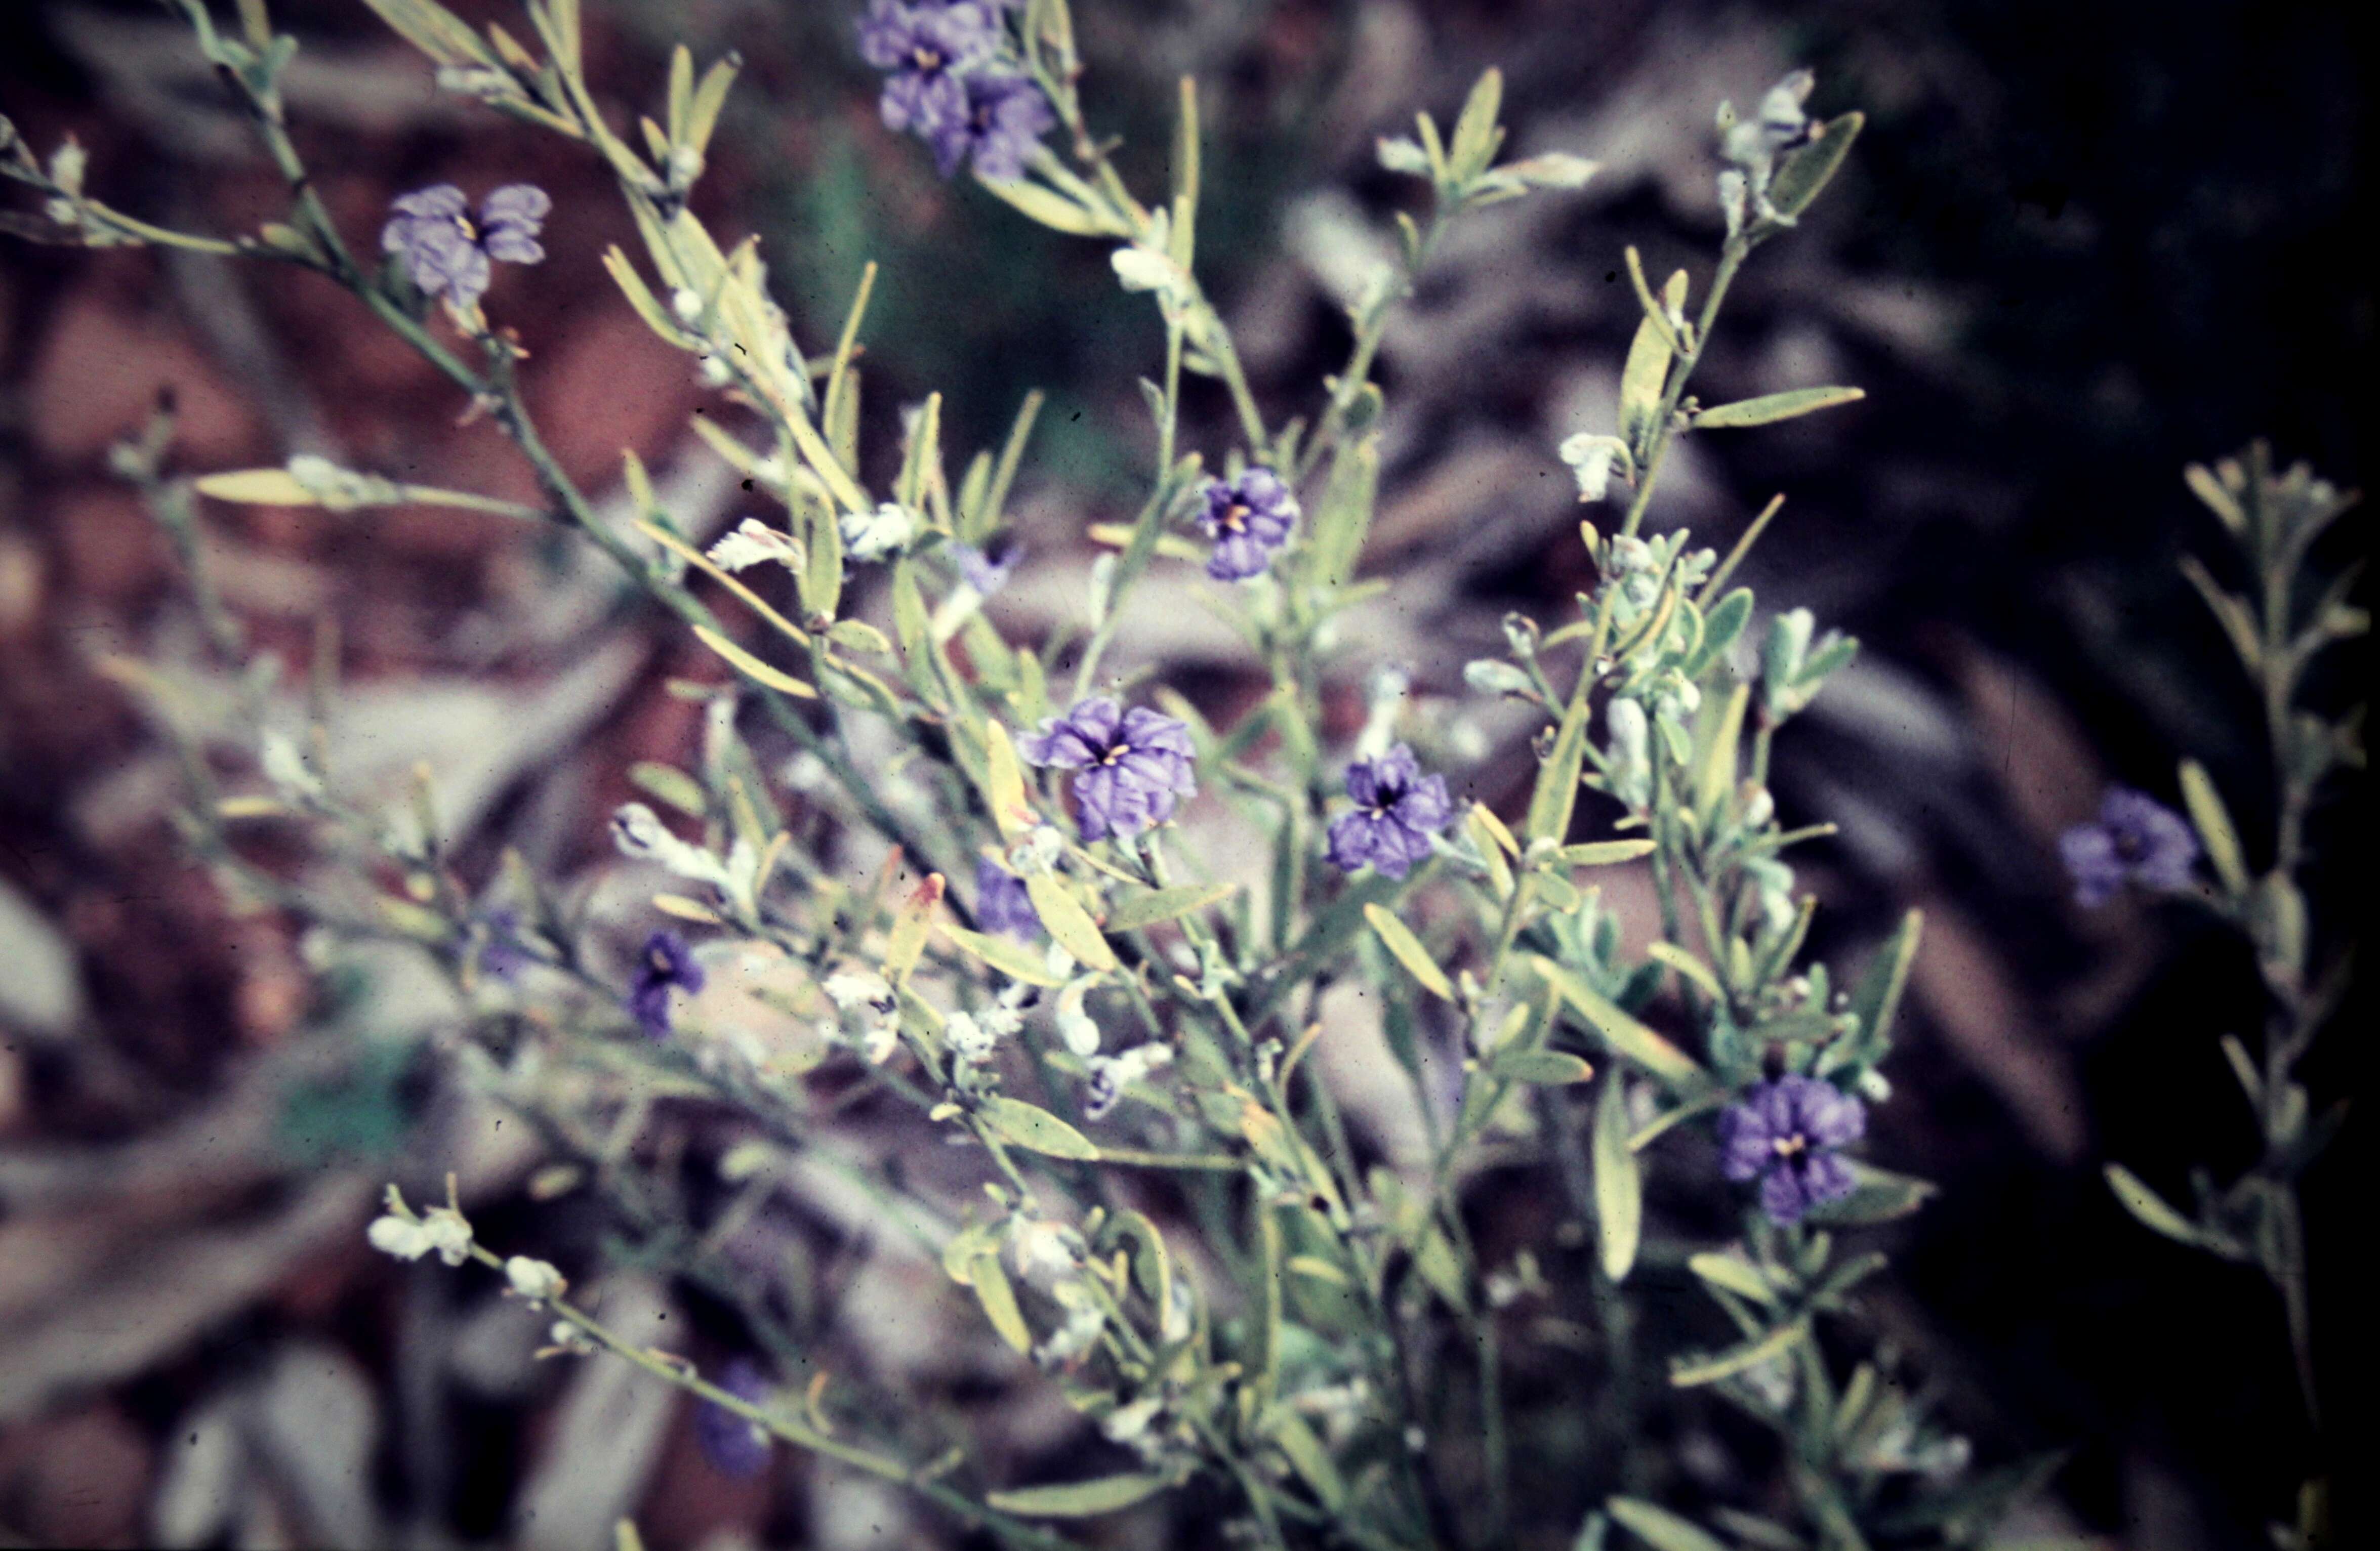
{"x": 1770, "y": 409}
{"x": 1066, "y": 920}
{"x": 1011, "y": 958}
{"x": 1080, "y": 1499}
{"x": 2213, "y": 821}
{"x": 752, "y": 667}
{"x": 1660, "y": 1528}
{"x": 1034, "y": 1128}
{"x": 1148, "y": 907}
{"x": 1398, "y": 939}
{"x": 1624, "y": 1034}
{"x": 1618, "y": 1187}
{"x": 1687, "y": 1373}
{"x": 989, "y": 1280}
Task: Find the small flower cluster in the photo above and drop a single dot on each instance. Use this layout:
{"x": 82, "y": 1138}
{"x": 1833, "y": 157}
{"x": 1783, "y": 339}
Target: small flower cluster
{"x": 445, "y": 253}
{"x": 953, "y": 79}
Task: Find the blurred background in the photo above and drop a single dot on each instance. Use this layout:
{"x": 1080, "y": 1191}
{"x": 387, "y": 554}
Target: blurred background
{"x": 2078, "y": 247}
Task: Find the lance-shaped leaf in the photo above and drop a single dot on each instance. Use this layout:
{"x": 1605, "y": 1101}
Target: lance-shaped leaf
{"x": 989, "y": 1280}
{"x": 1642, "y": 379}
{"x": 1151, "y": 906}
{"x": 1067, "y": 921}
{"x": 1344, "y": 514}
{"x": 1005, "y": 955}
{"x": 910, "y": 927}
{"x": 1806, "y": 171}
{"x": 1877, "y": 997}
{"x": 1398, "y": 939}
{"x": 1556, "y": 794}
{"x": 1768, "y": 408}
{"x": 434, "y": 29}
{"x": 1618, "y": 1187}
{"x": 1660, "y": 1528}
{"x": 1603, "y": 852}
{"x": 1035, "y": 1129}
{"x": 1688, "y": 1373}
{"x": 1878, "y": 1196}
{"x": 1476, "y": 132}
{"x": 2213, "y": 821}
{"x": 752, "y": 667}
{"x": 1004, "y": 782}
{"x": 1080, "y": 1499}
{"x": 1544, "y": 1068}
{"x": 2154, "y": 1214}
{"x": 1730, "y": 1270}
{"x": 1624, "y": 1034}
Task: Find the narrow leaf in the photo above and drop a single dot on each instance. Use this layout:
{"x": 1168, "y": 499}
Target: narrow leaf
{"x": 1641, "y": 381}
{"x": 1034, "y": 1128}
{"x": 1686, "y": 1374}
{"x": 1603, "y": 852}
{"x": 1398, "y": 939}
{"x": 1544, "y": 1068}
{"x": 1080, "y": 1499}
{"x": 989, "y": 1280}
{"x": 2213, "y": 821}
{"x": 1770, "y": 409}
{"x": 1151, "y": 906}
{"x": 752, "y": 667}
{"x": 1556, "y": 794}
{"x": 1067, "y": 921}
{"x": 1878, "y": 1196}
{"x": 1005, "y": 955}
{"x": 1732, "y": 1271}
{"x": 1618, "y": 1188}
{"x": 1806, "y": 172}
{"x": 1878, "y": 996}
{"x": 256, "y": 486}
{"x": 1660, "y": 1528}
{"x": 1624, "y": 1034}
{"x": 2158, "y": 1217}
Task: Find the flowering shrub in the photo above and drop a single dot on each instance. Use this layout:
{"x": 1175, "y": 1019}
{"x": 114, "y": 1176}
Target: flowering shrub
{"x": 1177, "y": 1225}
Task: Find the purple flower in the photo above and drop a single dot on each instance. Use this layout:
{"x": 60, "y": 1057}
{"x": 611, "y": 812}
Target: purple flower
{"x": 1002, "y": 901}
{"x": 2135, "y": 839}
{"x": 988, "y": 569}
{"x": 734, "y": 1446}
{"x": 1397, "y": 809}
{"x": 446, "y": 255}
{"x": 926, "y": 47}
{"x": 1002, "y": 122}
{"x": 1784, "y": 1134}
{"x": 666, "y": 965}
{"x": 502, "y": 951}
{"x": 1248, "y": 518}
{"x": 1136, "y": 764}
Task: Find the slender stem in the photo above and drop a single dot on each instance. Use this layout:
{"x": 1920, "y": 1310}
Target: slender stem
{"x": 677, "y": 1372}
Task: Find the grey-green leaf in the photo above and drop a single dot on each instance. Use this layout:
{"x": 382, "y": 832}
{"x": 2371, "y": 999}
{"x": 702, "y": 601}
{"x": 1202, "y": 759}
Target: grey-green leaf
{"x": 1660, "y": 1528}
{"x": 1618, "y": 1188}
{"x": 1035, "y": 1129}
{"x": 1080, "y": 1499}
{"x": 1768, "y": 408}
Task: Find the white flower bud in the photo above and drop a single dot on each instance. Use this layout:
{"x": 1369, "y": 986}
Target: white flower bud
{"x": 1075, "y": 1025}
{"x": 534, "y": 1280}
{"x": 851, "y": 989}
{"x": 394, "y": 1235}
{"x": 448, "y": 1233}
